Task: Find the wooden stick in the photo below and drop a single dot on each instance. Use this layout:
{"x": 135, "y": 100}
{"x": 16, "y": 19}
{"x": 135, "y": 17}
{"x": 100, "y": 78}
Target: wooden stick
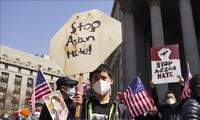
{"x": 77, "y": 112}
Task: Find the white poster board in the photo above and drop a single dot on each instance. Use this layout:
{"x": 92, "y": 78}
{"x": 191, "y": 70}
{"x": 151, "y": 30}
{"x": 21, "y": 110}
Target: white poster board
{"x": 85, "y": 41}
{"x": 165, "y": 64}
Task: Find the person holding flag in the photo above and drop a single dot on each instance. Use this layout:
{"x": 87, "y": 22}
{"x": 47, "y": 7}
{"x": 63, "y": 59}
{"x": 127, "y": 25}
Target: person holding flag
{"x": 101, "y": 106}
{"x": 70, "y": 96}
{"x": 170, "y": 108}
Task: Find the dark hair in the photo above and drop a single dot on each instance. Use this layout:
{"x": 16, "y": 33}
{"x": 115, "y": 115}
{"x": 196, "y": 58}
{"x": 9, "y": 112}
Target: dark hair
{"x": 168, "y": 92}
{"x": 38, "y": 104}
{"x": 101, "y": 68}
{"x": 56, "y": 98}
{"x": 195, "y": 81}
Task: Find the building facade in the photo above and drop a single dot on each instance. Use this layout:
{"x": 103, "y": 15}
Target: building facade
{"x": 152, "y": 23}
{"x": 18, "y": 70}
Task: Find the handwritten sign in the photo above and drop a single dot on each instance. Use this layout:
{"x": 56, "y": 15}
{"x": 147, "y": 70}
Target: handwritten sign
{"x": 165, "y": 64}
{"x": 85, "y": 41}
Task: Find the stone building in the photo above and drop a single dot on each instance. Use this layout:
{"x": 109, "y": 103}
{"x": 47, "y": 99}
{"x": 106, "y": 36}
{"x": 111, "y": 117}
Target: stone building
{"x": 18, "y": 70}
{"x": 152, "y": 23}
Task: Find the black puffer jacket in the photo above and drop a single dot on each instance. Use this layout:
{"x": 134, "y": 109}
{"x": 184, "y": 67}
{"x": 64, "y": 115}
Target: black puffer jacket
{"x": 191, "y": 109}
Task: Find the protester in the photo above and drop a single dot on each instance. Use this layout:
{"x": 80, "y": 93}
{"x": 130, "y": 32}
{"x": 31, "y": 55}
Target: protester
{"x": 102, "y": 106}
{"x": 191, "y": 108}
{"x": 5, "y": 116}
{"x": 24, "y": 114}
{"x": 170, "y": 108}
{"x": 67, "y": 88}
{"x": 36, "y": 114}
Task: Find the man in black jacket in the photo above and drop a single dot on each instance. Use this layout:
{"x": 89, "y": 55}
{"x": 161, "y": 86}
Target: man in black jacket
{"x": 67, "y": 88}
{"x": 191, "y": 108}
{"x": 170, "y": 108}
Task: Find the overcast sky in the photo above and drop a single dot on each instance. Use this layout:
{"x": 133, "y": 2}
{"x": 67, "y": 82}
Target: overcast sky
{"x": 29, "y": 25}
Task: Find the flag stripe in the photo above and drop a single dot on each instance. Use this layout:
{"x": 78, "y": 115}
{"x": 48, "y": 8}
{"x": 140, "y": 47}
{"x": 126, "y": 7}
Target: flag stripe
{"x": 143, "y": 101}
{"x": 139, "y": 103}
{"x": 130, "y": 105}
{"x": 38, "y": 96}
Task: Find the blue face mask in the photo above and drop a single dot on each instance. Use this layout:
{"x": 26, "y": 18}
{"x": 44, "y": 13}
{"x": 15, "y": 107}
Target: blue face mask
{"x": 71, "y": 92}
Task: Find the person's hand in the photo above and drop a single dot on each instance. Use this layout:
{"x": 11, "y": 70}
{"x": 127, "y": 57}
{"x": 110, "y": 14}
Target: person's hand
{"x": 164, "y": 54}
{"x": 152, "y": 85}
{"x": 77, "y": 99}
{"x": 181, "y": 81}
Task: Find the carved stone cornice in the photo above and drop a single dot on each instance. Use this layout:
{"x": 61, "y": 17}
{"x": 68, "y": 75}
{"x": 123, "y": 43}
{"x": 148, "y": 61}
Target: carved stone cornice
{"x": 128, "y": 5}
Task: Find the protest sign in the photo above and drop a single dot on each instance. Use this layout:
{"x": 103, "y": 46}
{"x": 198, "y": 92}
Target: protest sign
{"x": 56, "y": 106}
{"x": 165, "y": 64}
{"x": 84, "y": 42}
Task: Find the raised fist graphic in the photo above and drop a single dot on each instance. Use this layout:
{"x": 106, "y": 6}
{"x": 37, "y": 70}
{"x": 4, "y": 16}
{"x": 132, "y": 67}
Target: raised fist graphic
{"x": 164, "y": 54}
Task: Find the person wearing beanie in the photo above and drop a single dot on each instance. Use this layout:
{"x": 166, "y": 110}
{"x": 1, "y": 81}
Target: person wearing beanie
{"x": 24, "y": 114}
{"x": 70, "y": 96}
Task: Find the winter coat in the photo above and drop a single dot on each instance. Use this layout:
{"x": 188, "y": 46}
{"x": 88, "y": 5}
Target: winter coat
{"x": 191, "y": 108}
{"x": 168, "y": 112}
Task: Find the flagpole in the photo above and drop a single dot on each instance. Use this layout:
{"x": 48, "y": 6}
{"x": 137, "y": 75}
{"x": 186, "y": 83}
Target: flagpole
{"x": 77, "y": 112}
{"x": 45, "y": 79}
{"x": 188, "y": 66}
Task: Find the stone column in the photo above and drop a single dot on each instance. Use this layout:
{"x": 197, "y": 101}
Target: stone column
{"x": 189, "y": 36}
{"x": 156, "y": 23}
{"x": 128, "y": 44}
{"x": 157, "y": 37}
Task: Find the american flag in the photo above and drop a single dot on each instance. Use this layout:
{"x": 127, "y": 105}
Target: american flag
{"x": 41, "y": 88}
{"x": 31, "y": 101}
{"x": 137, "y": 99}
{"x": 186, "y": 90}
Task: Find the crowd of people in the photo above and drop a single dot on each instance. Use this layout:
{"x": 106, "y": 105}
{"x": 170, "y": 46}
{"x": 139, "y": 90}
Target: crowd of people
{"x": 102, "y": 106}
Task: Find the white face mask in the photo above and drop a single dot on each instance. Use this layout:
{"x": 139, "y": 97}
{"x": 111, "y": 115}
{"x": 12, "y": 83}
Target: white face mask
{"x": 101, "y": 87}
{"x": 71, "y": 92}
{"x": 36, "y": 114}
{"x": 171, "y": 101}
{"x": 56, "y": 105}
{"x": 5, "y": 116}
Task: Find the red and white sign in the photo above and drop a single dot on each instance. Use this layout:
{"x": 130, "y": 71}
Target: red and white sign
{"x": 165, "y": 64}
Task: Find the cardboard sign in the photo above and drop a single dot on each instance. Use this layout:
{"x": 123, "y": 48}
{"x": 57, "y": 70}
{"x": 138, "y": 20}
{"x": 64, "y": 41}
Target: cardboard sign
{"x": 85, "y": 41}
{"x": 165, "y": 64}
{"x": 56, "y": 106}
